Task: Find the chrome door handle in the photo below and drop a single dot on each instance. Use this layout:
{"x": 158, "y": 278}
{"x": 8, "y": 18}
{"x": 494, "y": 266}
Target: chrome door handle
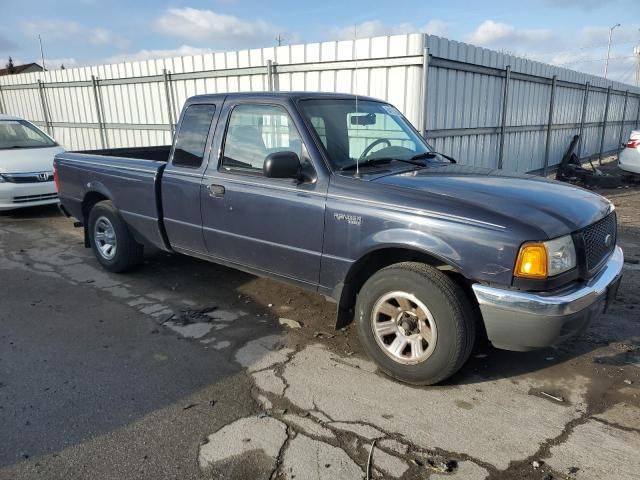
{"x": 216, "y": 191}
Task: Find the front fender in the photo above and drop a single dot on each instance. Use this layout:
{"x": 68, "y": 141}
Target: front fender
{"x": 416, "y": 240}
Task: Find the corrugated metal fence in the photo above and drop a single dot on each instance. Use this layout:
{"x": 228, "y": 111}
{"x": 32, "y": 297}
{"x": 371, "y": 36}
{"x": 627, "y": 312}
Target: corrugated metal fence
{"x": 479, "y": 106}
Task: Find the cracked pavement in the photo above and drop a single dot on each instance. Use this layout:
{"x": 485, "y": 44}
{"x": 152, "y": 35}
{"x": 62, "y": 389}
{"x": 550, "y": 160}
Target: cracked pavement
{"x": 184, "y": 369}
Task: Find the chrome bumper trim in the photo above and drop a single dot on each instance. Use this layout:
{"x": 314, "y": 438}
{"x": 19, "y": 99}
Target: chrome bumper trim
{"x": 557, "y": 303}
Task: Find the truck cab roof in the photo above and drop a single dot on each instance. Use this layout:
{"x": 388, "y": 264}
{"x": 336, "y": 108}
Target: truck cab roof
{"x": 279, "y": 96}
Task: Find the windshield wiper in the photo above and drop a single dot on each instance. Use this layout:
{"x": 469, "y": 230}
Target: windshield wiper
{"x": 367, "y": 163}
{"x": 11, "y": 147}
{"x": 425, "y": 155}
{"x": 385, "y": 160}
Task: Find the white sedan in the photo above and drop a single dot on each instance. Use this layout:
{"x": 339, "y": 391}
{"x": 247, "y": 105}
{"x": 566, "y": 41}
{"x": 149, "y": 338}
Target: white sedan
{"x": 629, "y": 159}
{"x": 26, "y": 164}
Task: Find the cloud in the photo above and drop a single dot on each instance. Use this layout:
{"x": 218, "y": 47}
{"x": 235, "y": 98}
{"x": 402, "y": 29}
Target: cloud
{"x": 54, "y": 30}
{"x": 598, "y": 36}
{"x": 209, "y": 26}
{"x": 437, "y": 28}
{"x": 376, "y": 28}
{"x": 102, "y": 36}
{"x": 584, "y": 49}
{"x": 157, "y": 53}
{"x": 498, "y": 35}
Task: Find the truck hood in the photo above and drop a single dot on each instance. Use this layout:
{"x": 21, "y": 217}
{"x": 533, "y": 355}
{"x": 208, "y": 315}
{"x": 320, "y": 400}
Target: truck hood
{"x": 28, "y": 160}
{"x": 555, "y": 208}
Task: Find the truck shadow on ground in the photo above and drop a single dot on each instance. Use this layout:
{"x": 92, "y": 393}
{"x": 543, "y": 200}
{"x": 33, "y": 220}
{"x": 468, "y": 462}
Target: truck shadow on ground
{"x": 31, "y": 213}
{"x": 79, "y": 366}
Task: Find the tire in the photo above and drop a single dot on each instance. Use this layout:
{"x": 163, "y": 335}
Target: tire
{"x": 440, "y": 338}
{"x": 107, "y": 228}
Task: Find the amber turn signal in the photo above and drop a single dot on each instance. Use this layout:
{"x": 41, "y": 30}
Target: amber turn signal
{"x": 532, "y": 261}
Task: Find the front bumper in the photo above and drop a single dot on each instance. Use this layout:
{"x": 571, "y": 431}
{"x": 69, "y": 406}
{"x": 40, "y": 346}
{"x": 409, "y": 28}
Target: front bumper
{"x": 19, "y": 195}
{"x": 523, "y": 321}
{"x": 629, "y": 160}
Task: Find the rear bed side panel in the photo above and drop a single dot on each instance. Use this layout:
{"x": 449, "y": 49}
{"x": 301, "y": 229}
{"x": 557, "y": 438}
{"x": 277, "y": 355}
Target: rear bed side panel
{"x": 129, "y": 183}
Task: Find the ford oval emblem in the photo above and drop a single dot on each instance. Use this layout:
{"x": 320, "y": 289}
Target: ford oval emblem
{"x": 608, "y": 239}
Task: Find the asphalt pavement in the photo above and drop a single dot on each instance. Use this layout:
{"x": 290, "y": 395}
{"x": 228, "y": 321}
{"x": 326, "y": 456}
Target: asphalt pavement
{"x": 184, "y": 369}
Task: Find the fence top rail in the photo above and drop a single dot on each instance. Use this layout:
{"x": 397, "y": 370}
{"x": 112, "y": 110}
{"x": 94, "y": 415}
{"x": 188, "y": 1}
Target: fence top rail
{"x": 410, "y": 60}
{"x": 380, "y": 62}
{"x": 446, "y": 63}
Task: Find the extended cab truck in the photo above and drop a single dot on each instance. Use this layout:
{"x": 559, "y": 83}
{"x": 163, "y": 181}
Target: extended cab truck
{"x": 342, "y": 196}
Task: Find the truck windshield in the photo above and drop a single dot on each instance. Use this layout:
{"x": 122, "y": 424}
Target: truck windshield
{"x": 21, "y": 134}
{"x": 363, "y": 131}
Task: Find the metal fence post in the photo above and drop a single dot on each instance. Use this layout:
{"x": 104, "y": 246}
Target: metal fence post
{"x": 624, "y": 114}
{"x": 94, "y": 83}
{"x": 104, "y": 114}
{"x": 424, "y": 93}
{"x": 45, "y": 110}
{"x": 167, "y": 91}
{"x": 604, "y": 124}
{"x": 505, "y": 105}
{"x": 2, "y": 108}
{"x": 270, "y": 75}
{"x": 585, "y": 102}
{"x": 547, "y": 146}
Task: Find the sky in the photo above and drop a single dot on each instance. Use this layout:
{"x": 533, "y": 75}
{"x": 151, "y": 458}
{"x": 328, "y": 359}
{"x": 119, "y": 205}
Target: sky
{"x": 568, "y": 33}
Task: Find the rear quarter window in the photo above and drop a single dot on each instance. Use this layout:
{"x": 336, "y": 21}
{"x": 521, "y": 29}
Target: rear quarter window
{"x": 192, "y": 136}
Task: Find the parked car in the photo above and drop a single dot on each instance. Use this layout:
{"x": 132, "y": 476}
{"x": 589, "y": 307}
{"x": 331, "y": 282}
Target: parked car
{"x": 629, "y": 159}
{"x": 26, "y": 164}
{"x": 342, "y": 196}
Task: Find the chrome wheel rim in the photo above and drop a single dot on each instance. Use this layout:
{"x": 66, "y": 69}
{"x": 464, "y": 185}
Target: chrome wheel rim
{"x": 404, "y": 328}
{"x": 105, "y": 237}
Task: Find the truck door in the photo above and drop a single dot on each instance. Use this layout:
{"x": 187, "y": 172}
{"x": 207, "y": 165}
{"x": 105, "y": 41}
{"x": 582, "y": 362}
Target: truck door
{"x": 182, "y": 179}
{"x": 273, "y": 225}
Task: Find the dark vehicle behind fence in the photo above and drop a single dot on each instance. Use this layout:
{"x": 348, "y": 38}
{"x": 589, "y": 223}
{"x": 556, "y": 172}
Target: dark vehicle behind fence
{"x": 342, "y": 196}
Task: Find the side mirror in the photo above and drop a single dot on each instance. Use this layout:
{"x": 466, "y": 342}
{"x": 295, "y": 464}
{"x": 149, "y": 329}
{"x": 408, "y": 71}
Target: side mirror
{"x": 282, "y": 165}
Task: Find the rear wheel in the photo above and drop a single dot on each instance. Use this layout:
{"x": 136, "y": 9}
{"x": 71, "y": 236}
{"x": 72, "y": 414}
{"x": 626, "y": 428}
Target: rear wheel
{"x": 110, "y": 238}
{"x": 415, "y": 323}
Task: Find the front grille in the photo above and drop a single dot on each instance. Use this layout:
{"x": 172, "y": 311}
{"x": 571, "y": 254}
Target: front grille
{"x": 595, "y": 245}
{"x": 28, "y": 177}
{"x": 35, "y": 198}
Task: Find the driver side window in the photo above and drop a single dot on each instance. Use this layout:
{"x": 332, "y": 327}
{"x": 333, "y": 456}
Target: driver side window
{"x": 361, "y": 136}
{"x": 254, "y": 132}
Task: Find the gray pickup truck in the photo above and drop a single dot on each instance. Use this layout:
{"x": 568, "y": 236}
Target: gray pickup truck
{"x": 341, "y": 195}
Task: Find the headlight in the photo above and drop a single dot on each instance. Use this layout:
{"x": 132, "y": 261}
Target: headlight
{"x": 545, "y": 259}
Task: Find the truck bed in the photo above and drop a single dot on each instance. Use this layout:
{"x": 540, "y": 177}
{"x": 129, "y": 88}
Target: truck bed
{"x": 157, "y": 153}
{"x": 128, "y": 176}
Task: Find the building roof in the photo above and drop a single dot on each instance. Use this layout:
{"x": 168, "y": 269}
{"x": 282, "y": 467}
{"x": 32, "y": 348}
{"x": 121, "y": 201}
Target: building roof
{"x": 27, "y": 67}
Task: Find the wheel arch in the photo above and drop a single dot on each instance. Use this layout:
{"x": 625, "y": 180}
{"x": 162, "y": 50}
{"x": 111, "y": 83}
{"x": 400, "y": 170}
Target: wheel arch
{"x": 90, "y": 199}
{"x": 379, "y": 258}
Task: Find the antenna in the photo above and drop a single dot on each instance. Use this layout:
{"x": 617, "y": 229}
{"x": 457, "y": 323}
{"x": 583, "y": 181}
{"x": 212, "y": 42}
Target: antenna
{"x": 355, "y": 87}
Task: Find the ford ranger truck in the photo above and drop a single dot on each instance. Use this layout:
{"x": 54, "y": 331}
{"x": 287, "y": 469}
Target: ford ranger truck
{"x": 342, "y": 196}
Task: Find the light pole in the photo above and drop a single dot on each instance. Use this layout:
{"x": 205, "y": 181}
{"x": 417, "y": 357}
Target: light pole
{"x": 606, "y": 65}
{"x": 41, "y": 52}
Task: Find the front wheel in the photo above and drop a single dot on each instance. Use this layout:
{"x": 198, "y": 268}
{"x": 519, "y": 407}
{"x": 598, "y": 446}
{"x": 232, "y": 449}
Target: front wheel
{"x": 415, "y": 323}
{"x": 111, "y": 241}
